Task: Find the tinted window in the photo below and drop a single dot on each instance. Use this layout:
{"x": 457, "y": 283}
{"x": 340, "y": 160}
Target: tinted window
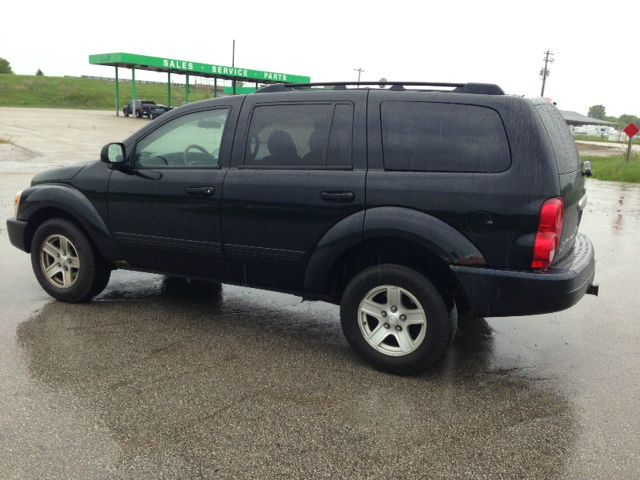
{"x": 190, "y": 141}
{"x": 564, "y": 147}
{"x": 298, "y": 136}
{"x": 441, "y": 137}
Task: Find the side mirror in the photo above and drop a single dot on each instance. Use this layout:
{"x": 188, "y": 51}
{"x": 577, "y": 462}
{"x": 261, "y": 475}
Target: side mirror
{"x": 113, "y": 154}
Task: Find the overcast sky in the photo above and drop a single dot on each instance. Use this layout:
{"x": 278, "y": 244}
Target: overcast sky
{"x": 597, "y": 58}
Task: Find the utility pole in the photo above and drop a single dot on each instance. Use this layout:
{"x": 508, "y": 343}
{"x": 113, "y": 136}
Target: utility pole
{"x": 233, "y": 64}
{"x": 359, "y": 70}
{"x": 544, "y": 73}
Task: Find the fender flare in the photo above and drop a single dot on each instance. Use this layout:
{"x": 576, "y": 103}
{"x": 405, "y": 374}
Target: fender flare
{"x": 72, "y": 202}
{"x": 436, "y": 236}
{"x": 338, "y": 239}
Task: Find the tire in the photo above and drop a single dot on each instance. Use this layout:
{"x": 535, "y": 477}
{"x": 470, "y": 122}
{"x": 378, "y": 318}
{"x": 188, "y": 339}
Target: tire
{"x": 76, "y": 272}
{"x": 126, "y": 114}
{"x": 404, "y": 341}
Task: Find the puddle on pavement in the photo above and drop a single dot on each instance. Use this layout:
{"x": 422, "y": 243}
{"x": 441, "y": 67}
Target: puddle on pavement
{"x": 239, "y": 380}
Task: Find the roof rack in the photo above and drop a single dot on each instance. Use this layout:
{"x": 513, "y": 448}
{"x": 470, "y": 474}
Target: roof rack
{"x": 478, "y": 88}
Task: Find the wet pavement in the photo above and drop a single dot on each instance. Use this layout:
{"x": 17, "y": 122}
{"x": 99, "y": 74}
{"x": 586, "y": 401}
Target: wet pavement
{"x": 161, "y": 379}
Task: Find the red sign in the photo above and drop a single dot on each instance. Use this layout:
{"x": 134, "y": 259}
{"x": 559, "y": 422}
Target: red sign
{"x": 631, "y": 130}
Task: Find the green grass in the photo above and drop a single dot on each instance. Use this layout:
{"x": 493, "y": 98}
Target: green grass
{"x": 615, "y": 168}
{"x": 74, "y": 92}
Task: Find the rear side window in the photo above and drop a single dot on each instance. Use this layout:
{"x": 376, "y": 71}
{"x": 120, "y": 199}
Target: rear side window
{"x": 443, "y": 137}
{"x": 564, "y": 147}
{"x": 300, "y": 136}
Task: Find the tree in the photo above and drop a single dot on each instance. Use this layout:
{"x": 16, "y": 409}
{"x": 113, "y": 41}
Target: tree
{"x": 623, "y": 120}
{"x": 597, "y": 111}
{"x": 626, "y": 119}
{"x": 5, "y": 66}
{"x": 39, "y": 73}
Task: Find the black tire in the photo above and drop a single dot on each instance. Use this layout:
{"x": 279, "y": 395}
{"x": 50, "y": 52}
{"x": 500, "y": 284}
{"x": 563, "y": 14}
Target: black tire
{"x": 439, "y": 328}
{"x": 126, "y": 114}
{"x": 92, "y": 274}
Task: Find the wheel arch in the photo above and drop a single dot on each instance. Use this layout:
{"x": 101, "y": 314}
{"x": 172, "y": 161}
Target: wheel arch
{"x": 60, "y": 201}
{"x": 390, "y": 235}
{"x": 398, "y": 251}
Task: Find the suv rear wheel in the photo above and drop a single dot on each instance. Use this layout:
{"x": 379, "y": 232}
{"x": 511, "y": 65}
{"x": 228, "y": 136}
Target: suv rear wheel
{"x": 395, "y": 319}
{"x": 65, "y": 264}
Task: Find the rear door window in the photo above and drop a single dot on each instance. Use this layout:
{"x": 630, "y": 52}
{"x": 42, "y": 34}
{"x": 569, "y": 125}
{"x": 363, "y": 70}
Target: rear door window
{"x": 300, "y": 136}
{"x": 443, "y": 137}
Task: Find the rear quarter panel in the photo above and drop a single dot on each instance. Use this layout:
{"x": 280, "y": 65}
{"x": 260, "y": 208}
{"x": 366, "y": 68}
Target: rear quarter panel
{"x": 510, "y": 199}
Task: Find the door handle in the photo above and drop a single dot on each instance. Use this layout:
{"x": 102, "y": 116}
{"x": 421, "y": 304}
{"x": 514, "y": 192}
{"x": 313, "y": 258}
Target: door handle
{"x": 337, "y": 196}
{"x": 204, "y": 190}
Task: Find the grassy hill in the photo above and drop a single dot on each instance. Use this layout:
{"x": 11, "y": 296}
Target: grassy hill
{"x": 83, "y": 93}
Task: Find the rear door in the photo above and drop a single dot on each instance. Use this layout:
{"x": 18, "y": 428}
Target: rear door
{"x": 298, "y": 168}
{"x": 572, "y": 182}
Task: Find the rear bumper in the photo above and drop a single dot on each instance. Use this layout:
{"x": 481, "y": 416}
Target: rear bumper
{"x": 502, "y": 293}
{"x": 16, "y": 229}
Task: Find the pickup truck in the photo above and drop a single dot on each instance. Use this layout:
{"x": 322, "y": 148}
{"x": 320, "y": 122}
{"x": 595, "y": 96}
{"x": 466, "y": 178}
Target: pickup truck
{"x": 142, "y": 108}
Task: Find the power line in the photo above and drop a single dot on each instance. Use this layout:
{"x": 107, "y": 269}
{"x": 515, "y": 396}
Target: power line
{"x": 544, "y": 72}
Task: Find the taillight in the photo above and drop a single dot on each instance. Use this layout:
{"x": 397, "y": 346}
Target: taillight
{"x": 549, "y": 233}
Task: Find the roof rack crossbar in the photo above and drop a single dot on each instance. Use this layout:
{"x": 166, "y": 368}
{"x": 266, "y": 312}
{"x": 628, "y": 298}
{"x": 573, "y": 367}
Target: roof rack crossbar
{"x": 478, "y": 88}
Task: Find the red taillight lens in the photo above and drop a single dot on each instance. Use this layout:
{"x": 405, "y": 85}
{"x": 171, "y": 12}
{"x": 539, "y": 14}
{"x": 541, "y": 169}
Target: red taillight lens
{"x": 549, "y": 233}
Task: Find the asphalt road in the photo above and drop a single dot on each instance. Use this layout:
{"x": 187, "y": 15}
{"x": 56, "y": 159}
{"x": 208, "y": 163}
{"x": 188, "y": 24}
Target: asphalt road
{"x": 157, "y": 379}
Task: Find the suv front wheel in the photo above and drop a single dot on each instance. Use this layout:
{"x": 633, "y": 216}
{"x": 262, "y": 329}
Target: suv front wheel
{"x": 65, "y": 264}
{"x": 395, "y": 319}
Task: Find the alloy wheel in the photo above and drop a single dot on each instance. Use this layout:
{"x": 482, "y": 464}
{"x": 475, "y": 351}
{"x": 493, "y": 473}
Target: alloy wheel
{"x": 59, "y": 261}
{"x": 392, "y": 320}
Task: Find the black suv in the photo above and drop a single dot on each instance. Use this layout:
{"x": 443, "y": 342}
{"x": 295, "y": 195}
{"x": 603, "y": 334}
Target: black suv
{"x": 158, "y": 110}
{"x": 407, "y": 207}
{"x": 143, "y": 108}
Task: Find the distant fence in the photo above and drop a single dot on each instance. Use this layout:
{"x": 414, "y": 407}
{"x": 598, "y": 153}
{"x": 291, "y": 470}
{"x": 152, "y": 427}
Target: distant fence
{"x": 127, "y": 80}
{"x": 617, "y": 137}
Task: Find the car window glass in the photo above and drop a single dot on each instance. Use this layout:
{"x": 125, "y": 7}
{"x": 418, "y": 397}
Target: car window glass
{"x": 298, "y": 136}
{"x": 442, "y": 137}
{"x": 189, "y": 141}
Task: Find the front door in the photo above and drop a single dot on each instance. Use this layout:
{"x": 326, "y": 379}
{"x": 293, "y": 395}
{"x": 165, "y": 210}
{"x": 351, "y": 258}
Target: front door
{"x": 164, "y": 210}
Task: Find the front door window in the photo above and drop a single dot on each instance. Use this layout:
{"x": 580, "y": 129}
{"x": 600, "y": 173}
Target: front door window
{"x": 190, "y": 141}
